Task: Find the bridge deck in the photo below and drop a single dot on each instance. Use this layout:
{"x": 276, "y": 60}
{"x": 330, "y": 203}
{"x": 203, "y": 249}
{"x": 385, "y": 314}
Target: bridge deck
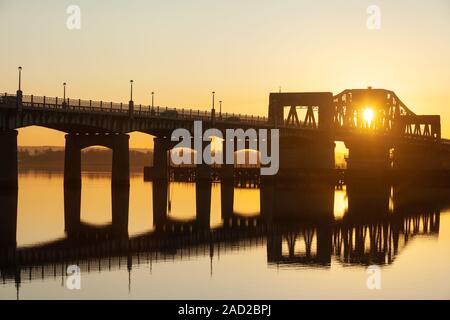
{"x": 148, "y": 111}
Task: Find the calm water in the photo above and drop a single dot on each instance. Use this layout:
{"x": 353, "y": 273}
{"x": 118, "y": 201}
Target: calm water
{"x": 234, "y": 256}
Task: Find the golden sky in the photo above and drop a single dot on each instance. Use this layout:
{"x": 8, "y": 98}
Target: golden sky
{"x": 243, "y": 50}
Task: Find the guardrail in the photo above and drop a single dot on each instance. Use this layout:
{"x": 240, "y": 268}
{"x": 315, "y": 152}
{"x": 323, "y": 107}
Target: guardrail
{"x": 90, "y": 106}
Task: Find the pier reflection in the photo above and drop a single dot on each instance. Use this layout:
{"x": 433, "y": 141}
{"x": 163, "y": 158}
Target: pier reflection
{"x": 296, "y": 224}
{"x": 77, "y": 230}
{"x": 8, "y": 219}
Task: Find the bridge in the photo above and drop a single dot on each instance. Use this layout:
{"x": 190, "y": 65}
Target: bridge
{"x": 380, "y": 132}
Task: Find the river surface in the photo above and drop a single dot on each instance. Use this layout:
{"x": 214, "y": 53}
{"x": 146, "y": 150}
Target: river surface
{"x": 234, "y": 257}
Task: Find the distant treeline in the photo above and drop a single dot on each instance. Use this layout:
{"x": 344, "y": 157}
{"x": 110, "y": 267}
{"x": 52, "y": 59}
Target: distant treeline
{"x": 94, "y": 159}
{"x": 91, "y": 159}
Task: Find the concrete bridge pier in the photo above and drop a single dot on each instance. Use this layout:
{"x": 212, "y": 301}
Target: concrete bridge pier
{"x": 161, "y": 147}
{"x": 119, "y": 143}
{"x": 300, "y": 156}
{"x": 369, "y": 154}
{"x": 8, "y": 219}
{"x": 227, "y": 172}
{"x": 203, "y": 184}
{"x": 415, "y": 157}
{"x": 226, "y": 186}
{"x": 226, "y": 198}
{"x": 72, "y": 161}
{"x": 121, "y": 160}
{"x": 8, "y": 161}
{"x": 267, "y": 198}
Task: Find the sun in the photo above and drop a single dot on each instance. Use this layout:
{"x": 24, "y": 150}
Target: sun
{"x": 368, "y": 115}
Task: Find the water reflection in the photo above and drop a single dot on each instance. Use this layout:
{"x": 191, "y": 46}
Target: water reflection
{"x": 300, "y": 225}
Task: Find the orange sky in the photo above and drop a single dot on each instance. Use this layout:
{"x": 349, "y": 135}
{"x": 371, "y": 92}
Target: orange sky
{"x": 243, "y": 50}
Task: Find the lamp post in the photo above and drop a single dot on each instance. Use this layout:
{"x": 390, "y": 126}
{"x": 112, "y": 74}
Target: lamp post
{"x": 131, "y": 103}
{"x": 213, "y": 111}
{"x": 153, "y": 99}
{"x": 64, "y": 95}
{"x": 19, "y": 91}
{"x": 220, "y": 108}
{"x": 131, "y": 90}
{"x": 20, "y": 78}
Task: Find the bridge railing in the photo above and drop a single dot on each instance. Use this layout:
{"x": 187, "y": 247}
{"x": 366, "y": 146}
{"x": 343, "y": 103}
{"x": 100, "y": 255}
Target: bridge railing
{"x": 420, "y": 126}
{"x": 8, "y": 99}
{"x": 91, "y": 106}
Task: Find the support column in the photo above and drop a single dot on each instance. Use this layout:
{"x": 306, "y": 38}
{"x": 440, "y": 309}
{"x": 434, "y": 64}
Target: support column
{"x": 227, "y": 169}
{"x": 227, "y": 172}
{"x": 8, "y": 161}
{"x": 226, "y": 186}
{"x": 121, "y": 160}
{"x": 417, "y": 157}
{"x": 203, "y": 184}
{"x": 267, "y": 198}
{"x": 160, "y": 168}
{"x": 226, "y": 198}
{"x": 368, "y": 154}
{"x": 8, "y": 219}
{"x": 72, "y": 161}
{"x": 306, "y": 156}
{"x": 120, "y": 188}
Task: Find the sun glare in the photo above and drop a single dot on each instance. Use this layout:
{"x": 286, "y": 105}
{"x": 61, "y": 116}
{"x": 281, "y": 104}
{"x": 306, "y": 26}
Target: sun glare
{"x": 368, "y": 115}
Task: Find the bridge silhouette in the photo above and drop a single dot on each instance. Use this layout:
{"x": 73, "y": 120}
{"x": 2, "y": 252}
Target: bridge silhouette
{"x": 392, "y": 147}
{"x": 392, "y": 138}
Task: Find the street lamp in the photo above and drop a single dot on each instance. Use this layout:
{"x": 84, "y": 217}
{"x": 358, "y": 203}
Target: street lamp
{"x": 131, "y": 90}
{"x": 220, "y": 107}
{"x": 20, "y": 78}
{"x": 64, "y": 95}
{"x": 153, "y": 95}
{"x": 213, "y": 111}
{"x": 131, "y": 103}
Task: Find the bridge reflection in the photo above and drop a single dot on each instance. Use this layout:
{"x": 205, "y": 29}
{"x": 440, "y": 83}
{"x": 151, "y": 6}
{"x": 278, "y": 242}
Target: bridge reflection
{"x": 76, "y": 229}
{"x": 296, "y": 225}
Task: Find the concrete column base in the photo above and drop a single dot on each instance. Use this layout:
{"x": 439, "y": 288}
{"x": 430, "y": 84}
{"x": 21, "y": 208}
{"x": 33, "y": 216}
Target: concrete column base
{"x": 8, "y": 161}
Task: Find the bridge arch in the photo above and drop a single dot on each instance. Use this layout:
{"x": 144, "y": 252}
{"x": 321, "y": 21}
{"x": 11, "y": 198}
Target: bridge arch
{"x": 120, "y": 160}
